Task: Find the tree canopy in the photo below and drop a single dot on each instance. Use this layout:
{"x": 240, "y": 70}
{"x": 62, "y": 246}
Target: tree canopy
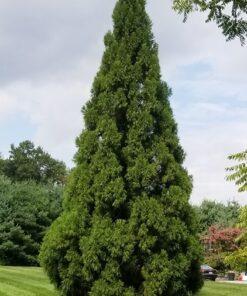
{"x": 212, "y": 213}
{"x": 27, "y": 162}
{"x": 219, "y": 229}
{"x": 238, "y": 172}
{"x": 238, "y": 259}
{"x": 127, "y": 226}
{"x": 229, "y": 15}
{"x": 26, "y": 211}
{"x": 2, "y": 162}
{"x": 218, "y": 244}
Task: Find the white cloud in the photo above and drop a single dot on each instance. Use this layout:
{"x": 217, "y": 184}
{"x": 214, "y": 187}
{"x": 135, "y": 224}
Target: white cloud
{"x": 207, "y": 150}
{"x": 54, "y": 109}
{"x": 7, "y": 105}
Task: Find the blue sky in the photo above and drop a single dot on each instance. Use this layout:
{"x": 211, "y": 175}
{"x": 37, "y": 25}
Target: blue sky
{"x": 14, "y": 130}
{"x": 51, "y": 50}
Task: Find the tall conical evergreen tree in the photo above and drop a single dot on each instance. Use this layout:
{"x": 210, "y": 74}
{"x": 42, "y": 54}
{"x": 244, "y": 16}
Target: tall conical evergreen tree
{"x": 127, "y": 226}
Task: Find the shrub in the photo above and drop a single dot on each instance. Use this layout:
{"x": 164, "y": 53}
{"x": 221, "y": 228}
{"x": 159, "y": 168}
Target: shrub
{"x": 26, "y": 211}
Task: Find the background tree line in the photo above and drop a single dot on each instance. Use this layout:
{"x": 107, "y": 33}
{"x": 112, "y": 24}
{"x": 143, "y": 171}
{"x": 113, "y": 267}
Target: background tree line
{"x": 31, "y": 189}
{"x": 127, "y": 226}
{"x": 224, "y": 227}
{"x": 31, "y": 186}
{"x": 218, "y": 225}
{"x": 27, "y": 162}
{"x": 238, "y": 173}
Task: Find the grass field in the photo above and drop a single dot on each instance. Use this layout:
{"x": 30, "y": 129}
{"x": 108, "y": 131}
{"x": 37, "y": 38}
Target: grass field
{"x": 218, "y": 289}
{"x": 21, "y": 281}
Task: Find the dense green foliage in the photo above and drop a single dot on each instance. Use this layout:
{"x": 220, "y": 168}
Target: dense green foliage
{"x": 2, "y": 162}
{"x": 239, "y": 171}
{"x": 212, "y": 213}
{"x": 24, "y": 281}
{"x": 26, "y": 162}
{"x": 127, "y": 226}
{"x": 218, "y": 228}
{"x": 26, "y": 211}
{"x": 229, "y": 15}
{"x": 238, "y": 259}
{"x": 218, "y": 244}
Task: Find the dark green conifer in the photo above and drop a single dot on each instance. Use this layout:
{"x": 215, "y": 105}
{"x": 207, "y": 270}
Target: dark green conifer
{"x": 127, "y": 226}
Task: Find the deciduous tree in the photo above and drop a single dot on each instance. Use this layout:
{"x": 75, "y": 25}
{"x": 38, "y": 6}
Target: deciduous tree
{"x": 229, "y": 15}
{"x": 238, "y": 172}
{"x": 238, "y": 259}
{"x": 219, "y": 243}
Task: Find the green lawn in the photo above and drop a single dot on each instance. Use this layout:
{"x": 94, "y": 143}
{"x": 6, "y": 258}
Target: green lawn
{"x": 21, "y": 281}
{"x": 218, "y": 289}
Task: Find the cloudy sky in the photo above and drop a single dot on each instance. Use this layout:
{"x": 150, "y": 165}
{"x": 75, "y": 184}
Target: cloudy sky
{"x": 50, "y": 51}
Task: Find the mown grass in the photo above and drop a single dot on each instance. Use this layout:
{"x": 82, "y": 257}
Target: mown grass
{"x": 26, "y": 281}
{"x": 222, "y": 289}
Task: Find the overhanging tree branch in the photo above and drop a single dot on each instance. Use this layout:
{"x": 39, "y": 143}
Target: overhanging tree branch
{"x": 229, "y": 15}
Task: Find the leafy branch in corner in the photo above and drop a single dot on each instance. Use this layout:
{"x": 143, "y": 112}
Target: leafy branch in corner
{"x": 229, "y": 15}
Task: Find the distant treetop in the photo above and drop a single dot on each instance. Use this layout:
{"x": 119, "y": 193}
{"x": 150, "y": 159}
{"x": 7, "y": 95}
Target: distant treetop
{"x": 27, "y": 162}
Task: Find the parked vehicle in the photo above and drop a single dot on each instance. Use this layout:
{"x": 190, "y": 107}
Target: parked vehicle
{"x": 208, "y": 273}
{"x": 243, "y": 276}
